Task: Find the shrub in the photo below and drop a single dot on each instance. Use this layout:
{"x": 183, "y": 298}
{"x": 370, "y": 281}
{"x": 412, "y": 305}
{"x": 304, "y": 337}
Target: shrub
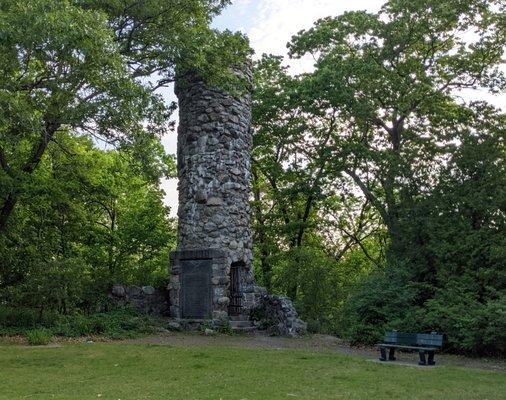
{"x": 470, "y": 324}
{"x": 116, "y": 324}
{"x": 225, "y": 327}
{"x": 18, "y": 320}
{"x": 38, "y": 337}
{"x": 382, "y": 303}
{"x": 18, "y": 317}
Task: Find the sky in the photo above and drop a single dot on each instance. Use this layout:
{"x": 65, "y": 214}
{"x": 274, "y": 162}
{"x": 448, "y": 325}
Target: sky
{"x": 270, "y": 24}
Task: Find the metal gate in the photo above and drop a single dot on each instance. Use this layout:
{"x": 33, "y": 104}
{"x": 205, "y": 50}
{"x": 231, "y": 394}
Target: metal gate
{"x": 234, "y": 307}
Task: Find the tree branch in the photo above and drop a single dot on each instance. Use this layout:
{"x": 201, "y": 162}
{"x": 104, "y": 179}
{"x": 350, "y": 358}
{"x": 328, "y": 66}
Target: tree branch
{"x": 369, "y": 195}
{"x": 3, "y": 160}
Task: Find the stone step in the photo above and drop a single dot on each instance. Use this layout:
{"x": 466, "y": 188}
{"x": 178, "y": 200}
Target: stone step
{"x": 245, "y": 329}
{"x": 241, "y": 324}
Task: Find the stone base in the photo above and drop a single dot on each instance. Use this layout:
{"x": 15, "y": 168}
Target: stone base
{"x": 195, "y": 296}
{"x": 200, "y": 294}
{"x": 205, "y": 294}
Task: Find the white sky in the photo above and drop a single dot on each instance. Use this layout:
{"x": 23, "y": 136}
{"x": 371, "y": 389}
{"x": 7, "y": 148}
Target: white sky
{"x": 270, "y": 24}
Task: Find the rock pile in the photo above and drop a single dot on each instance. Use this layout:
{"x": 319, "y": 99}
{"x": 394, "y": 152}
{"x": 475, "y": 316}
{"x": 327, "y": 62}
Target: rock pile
{"x": 144, "y": 298}
{"x": 277, "y": 314}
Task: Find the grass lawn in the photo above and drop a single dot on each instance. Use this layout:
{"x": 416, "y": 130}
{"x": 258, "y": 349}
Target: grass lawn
{"x": 127, "y": 372}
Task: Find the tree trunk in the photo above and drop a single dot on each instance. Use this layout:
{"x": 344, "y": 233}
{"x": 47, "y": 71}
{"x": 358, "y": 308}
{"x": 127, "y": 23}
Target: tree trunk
{"x": 262, "y": 237}
{"x": 7, "y": 208}
{"x": 38, "y": 151}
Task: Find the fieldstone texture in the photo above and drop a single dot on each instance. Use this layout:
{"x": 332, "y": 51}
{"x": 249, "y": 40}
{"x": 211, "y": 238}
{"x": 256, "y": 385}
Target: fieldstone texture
{"x": 278, "y": 315}
{"x": 214, "y": 229}
{"x": 214, "y": 145}
{"x": 146, "y": 298}
{"x": 214, "y": 170}
{"x": 174, "y": 326}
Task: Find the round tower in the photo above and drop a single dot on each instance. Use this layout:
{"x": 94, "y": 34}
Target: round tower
{"x": 211, "y": 273}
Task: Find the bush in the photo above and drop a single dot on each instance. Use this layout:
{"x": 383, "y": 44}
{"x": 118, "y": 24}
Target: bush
{"x": 385, "y": 301}
{"x": 469, "y": 325}
{"x": 18, "y": 320}
{"x": 225, "y": 327}
{"x": 115, "y": 324}
{"x": 39, "y": 337}
{"x": 18, "y": 317}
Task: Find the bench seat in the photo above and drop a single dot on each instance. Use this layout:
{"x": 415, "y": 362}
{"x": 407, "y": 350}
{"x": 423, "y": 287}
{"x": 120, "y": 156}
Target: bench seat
{"x": 422, "y": 342}
{"x": 397, "y": 346}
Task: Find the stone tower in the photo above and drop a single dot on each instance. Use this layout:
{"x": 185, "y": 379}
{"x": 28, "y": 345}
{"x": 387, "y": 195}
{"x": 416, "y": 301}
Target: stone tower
{"x": 211, "y": 276}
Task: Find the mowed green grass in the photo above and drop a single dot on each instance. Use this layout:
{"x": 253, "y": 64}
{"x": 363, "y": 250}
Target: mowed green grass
{"x": 133, "y": 372}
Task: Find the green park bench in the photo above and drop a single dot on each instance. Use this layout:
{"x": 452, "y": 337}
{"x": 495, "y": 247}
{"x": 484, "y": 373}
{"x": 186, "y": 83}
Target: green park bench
{"x": 424, "y": 343}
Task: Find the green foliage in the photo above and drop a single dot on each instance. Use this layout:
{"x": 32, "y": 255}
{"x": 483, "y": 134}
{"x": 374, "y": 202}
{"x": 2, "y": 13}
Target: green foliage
{"x": 393, "y": 77}
{"x": 114, "y": 324}
{"x": 452, "y": 277}
{"x": 311, "y": 242}
{"x": 39, "y": 337}
{"x": 469, "y": 325}
{"x": 383, "y": 302}
{"x": 18, "y": 317}
{"x": 117, "y": 324}
{"x": 87, "y": 221}
{"x": 206, "y": 324}
{"x": 225, "y": 327}
{"x": 81, "y": 160}
{"x": 94, "y": 67}
{"x": 371, "y": 159}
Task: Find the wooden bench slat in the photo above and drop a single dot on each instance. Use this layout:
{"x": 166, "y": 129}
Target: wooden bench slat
{"x": 398, "y": 346}
{"x": 423, "y": 342}
{"x": 414, "y": 339}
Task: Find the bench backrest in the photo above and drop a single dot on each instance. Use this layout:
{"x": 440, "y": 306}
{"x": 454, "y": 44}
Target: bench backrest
{"x": 414, "y": 339}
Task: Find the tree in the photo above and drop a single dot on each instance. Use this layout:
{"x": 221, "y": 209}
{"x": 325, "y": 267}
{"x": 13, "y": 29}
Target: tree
{"x": 289, "y": 159}
{"x": 393, "y": 76}
{"x": 93, "y": 67}
{"x": 86, "y": 221}
{"x": 300, "y": 212}
{"x": 451, "y": 278}
{"x": 404, "y": 141}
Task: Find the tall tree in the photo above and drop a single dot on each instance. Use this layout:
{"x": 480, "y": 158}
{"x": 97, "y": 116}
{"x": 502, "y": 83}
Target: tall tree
{"x": 297, "y": 192}
{"x": 87, "y": 219}
{"x": 94, "y": 67}
{"x": 393, "y": 77}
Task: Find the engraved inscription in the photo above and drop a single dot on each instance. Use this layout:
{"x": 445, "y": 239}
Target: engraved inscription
{"x": 196, "y": 288}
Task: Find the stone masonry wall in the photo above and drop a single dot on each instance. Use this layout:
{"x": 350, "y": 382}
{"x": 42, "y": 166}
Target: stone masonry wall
{"x": 278, "y": 315}
{"x": 214, "y": 146}
{"x": 146, "y": 298}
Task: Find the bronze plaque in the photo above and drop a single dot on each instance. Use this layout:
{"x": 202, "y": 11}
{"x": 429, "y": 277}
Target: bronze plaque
{"x": 196, "y": 289}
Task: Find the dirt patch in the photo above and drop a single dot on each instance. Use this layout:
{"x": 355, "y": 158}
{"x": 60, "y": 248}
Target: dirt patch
{"x": 312, "y": 343}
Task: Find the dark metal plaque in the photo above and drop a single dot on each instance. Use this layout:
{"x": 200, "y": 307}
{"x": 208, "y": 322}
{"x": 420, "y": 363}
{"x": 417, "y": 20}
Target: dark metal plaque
{"x": 196, "y": 289}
